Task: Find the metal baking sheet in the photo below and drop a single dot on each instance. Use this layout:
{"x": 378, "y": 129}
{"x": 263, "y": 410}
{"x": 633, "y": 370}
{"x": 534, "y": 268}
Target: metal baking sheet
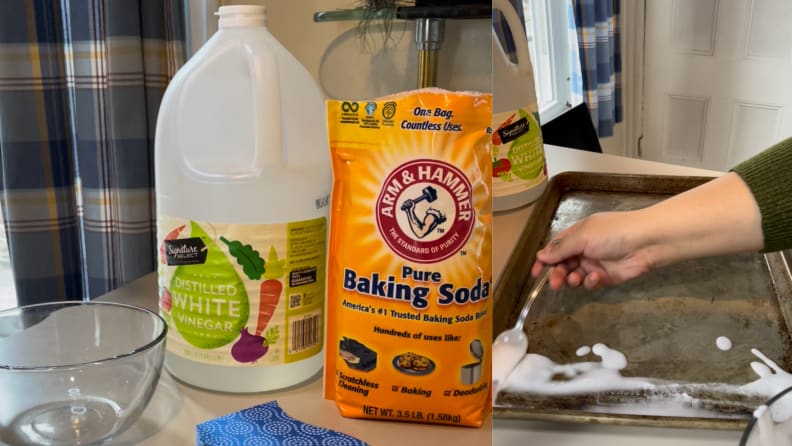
{"x": 665, "y": 322}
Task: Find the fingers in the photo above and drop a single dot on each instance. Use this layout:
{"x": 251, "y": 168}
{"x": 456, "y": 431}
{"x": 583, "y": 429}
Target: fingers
{"x": 562, "y": 273}
{"x": 560, "y": 277}
{"x": 566, "y": 252}
{"x": 557, "y": 277}
{"x": 593, "y": 280}
{"x": 536, "y": 269}
{"x": 572, "y": 273}
{"x": 546, "y": 257}
{"x": 590, "y": 277}
{"x": 574, "y": 279}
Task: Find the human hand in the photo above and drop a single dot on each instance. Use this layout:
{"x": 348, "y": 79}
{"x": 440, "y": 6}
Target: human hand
{"x": 602, "y": 249}
{"x": 611, "y": 248}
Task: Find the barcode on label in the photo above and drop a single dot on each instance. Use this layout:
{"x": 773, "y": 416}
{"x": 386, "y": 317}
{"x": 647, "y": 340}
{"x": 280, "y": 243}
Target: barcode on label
{"x": 294, "y": 300}
{"x": 305, "y": 332}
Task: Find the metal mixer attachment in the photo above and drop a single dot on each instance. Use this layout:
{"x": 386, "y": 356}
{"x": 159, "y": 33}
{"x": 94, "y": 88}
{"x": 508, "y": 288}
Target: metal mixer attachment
{"x": 429, "y": 16}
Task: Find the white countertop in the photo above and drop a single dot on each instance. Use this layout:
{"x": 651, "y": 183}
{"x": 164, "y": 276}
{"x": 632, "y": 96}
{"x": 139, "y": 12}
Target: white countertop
{"x": 176, "y": 408}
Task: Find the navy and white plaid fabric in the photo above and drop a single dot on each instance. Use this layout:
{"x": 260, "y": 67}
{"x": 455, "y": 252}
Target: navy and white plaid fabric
{"x": 80, "y": 86}
{"x": 599, "y": 43}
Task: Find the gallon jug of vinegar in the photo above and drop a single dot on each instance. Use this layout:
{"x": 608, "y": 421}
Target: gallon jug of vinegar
{"x": 242, "y": 182}
{"x": 519, "y": 174}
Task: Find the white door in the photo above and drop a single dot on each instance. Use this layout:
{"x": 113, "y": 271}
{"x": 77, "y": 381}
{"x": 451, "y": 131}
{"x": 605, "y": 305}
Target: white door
{"x": 717, "y": 80}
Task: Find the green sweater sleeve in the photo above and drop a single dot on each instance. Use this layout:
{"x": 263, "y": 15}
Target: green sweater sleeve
{"x": 769, "y": 177}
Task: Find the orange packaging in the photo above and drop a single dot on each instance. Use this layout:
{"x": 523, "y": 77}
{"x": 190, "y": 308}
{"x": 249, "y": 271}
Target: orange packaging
{"x": 410, "y": 258}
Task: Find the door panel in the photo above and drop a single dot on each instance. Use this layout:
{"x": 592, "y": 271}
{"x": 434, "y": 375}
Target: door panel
{"x": 769, "y": 33}
{"x": 759, "y": 123}
{"x": 717, "y": 76}
{"x": 686, "y": 118}
{"x": 694, "y": 25}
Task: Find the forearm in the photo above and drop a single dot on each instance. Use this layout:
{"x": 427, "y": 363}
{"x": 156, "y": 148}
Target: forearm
{"x": 716, "y": 218}
{"x": 769, "y": 177}
{"x": 749, "y": 209}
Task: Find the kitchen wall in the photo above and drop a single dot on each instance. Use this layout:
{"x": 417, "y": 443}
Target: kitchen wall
{"x": 348, "y": 67}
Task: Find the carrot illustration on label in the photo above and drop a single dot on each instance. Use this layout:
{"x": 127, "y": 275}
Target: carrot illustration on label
{"x": 270, "y": 290}
{"x": 496, "y": 139}
{"x": 170, "y": 236}
{"x": 269, "y": 296}
{"x": 256, "y": 268}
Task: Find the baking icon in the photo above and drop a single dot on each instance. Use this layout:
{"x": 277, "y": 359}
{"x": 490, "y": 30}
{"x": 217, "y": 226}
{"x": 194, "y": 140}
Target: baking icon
{"x": 413, "y": 364}
{"x": 421, "y": 227}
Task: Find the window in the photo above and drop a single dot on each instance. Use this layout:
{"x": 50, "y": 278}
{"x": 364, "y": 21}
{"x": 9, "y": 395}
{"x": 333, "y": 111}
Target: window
{"x": 552, "y": 49}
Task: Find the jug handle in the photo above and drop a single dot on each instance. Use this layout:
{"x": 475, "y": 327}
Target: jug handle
{"x": 518, "y": 32}
{"x": 267, "y": 134}
{"x": 266, "y": 128}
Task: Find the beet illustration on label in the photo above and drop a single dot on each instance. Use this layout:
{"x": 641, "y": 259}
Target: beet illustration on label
{"x": 250, "y": 347}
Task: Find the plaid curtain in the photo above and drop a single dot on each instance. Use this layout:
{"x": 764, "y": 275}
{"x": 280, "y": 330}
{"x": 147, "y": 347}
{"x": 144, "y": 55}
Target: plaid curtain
{"x": 80, "y": 86}
{"x": 599, "y": 47}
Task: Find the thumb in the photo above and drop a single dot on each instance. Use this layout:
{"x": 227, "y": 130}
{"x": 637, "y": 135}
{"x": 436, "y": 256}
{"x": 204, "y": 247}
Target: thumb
{"x": 565, "y": 245}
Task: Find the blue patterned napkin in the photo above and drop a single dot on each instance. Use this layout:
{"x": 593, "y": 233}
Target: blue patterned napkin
{"x": 267, "y": 425}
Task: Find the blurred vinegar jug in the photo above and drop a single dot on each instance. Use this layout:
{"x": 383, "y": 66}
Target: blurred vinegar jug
{"x": 519, "y": 173}
{"x": 242, "y": 181}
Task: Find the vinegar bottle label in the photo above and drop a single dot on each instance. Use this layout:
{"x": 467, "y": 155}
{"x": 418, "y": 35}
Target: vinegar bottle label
{"x": 517, "y": 149}
{"x": 242, "y": 295}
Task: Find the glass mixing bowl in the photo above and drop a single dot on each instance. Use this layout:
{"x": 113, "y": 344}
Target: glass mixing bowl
{"x": 76, "y": 373}
{"x": 771, "y": 424}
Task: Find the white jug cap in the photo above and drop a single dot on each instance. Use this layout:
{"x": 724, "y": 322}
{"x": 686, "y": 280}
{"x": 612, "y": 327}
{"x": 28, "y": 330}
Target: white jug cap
{"x": 241, "y": 16}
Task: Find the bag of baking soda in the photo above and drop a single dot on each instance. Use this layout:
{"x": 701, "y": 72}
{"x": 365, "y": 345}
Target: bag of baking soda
{"x": 409, "y": 260}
